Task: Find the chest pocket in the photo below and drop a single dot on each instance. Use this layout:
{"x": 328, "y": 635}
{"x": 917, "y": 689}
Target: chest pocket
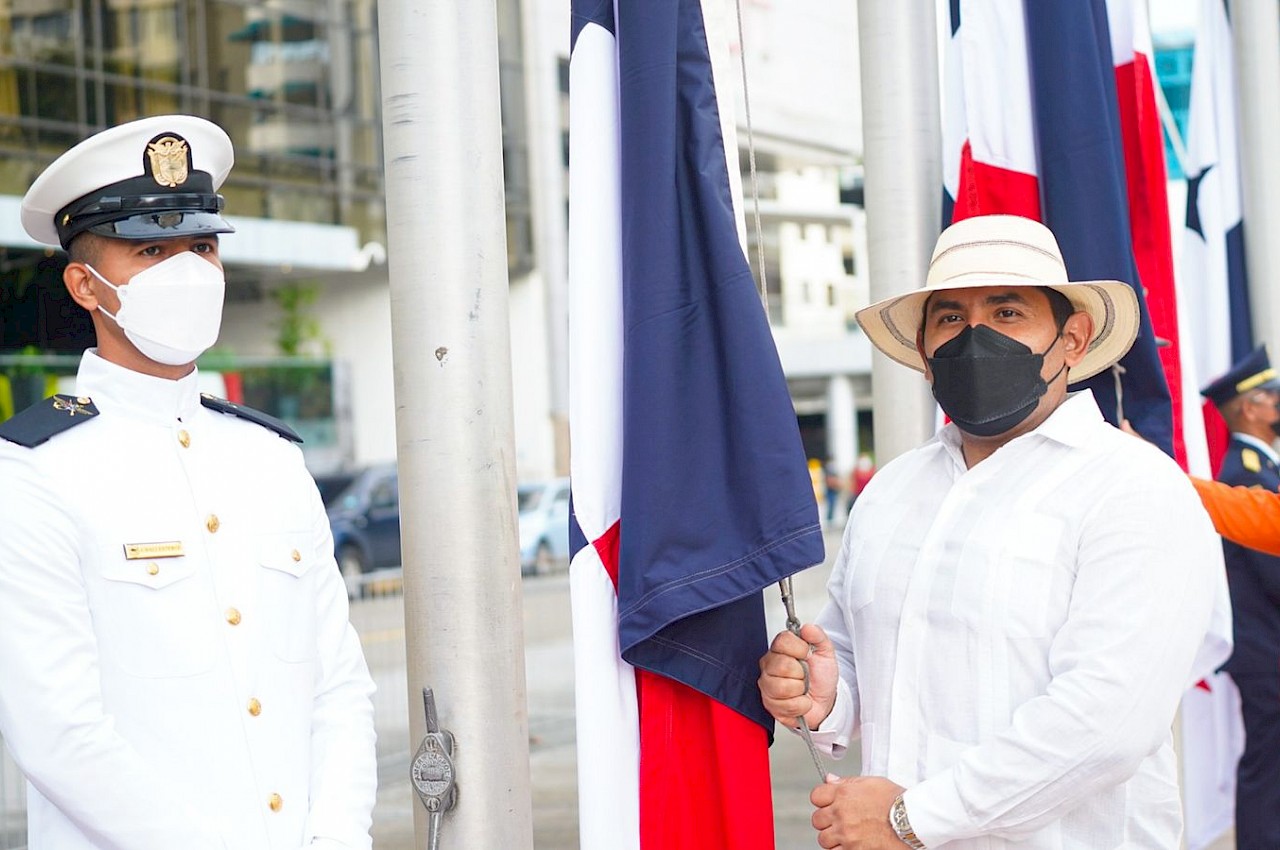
{"x": 1006, "y": 579}
{"x": 288, "y": 595}
{"x": 153, "y": 616}
{"x": 878, "y": 544}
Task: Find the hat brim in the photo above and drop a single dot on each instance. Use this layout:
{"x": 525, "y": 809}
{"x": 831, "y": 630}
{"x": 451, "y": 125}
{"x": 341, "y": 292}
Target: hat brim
{"x": 893, "y": 323}
{"x": 1273, "y": 384}
{"x": 163, "y": 225}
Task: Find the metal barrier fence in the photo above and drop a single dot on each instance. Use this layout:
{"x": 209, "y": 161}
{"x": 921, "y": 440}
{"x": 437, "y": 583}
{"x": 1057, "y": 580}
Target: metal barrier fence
{"x": 377, "y": 613}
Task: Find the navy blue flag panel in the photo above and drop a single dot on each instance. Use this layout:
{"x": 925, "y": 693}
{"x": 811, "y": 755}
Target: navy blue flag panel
{"x": 717, "y": 502}
{"x": 1082, "y": 180}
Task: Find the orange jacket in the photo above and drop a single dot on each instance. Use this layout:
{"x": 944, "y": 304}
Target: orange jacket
{"x": 1249, "y": 516}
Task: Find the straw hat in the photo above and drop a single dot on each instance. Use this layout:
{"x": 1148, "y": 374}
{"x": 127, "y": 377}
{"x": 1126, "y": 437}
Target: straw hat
{"x": 1006, "y": 250}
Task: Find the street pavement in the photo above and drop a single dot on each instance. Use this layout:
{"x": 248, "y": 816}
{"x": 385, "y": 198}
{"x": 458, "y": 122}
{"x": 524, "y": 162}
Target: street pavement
{"x": 553, "y": 754}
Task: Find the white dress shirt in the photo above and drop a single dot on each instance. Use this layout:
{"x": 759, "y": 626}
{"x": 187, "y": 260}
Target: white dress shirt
{"x": 212, "y": 695}
{"x": 1014, "y": 638}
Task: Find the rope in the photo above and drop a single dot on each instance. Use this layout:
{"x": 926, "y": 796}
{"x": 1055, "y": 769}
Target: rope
{"x": 751, "y": 159}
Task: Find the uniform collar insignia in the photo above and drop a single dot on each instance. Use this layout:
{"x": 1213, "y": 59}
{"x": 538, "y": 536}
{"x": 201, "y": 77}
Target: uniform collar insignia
{"x": 72, "y": 406}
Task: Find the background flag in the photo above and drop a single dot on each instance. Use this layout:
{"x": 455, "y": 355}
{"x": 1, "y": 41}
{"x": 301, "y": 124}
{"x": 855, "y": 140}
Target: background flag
{"x": 690, "y": 489}
{"x": 1032, "y": 126}
{"x": 1213, "y": 267}
{"x": 1214, "y": 287}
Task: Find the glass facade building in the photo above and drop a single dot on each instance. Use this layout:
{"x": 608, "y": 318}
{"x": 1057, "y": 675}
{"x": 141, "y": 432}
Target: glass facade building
{"x": 292, "y": 81}
{"x": 1173, "y": 70}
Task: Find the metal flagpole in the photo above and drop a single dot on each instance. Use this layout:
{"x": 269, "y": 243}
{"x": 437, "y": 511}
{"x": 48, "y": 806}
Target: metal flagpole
{"x": 902, "y": 150}
{"x": 451, "y": 349}
{"x": 1255, "y": 28}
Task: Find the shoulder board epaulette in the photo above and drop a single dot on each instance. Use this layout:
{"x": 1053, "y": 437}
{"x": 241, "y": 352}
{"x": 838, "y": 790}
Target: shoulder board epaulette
{"x": 1251, "y": 461}
{"x": 46, "y": 419}
{"x": 257, "y": 417}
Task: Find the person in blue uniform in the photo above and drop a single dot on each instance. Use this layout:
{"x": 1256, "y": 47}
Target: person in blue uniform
{"x": 1248, "y": 396}
{"x": 177, "y": 668}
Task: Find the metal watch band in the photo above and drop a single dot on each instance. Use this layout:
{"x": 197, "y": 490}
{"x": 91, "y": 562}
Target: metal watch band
{"x": 902, "y": 826}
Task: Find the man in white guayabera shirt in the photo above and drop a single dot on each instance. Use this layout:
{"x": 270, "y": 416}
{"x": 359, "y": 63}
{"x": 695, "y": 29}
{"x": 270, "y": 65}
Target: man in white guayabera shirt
{"x": 1018, "y": 604}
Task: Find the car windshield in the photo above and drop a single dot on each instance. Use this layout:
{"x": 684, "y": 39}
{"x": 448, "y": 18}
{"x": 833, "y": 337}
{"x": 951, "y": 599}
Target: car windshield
{"x": 527, "y": 499}
{"x": 334, "y": 487}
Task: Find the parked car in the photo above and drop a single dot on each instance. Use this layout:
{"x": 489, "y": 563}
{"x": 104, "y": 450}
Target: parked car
{"x": 365, "y": 520}
{"x": 333, "y": 485}
{"x": 364, "y": 517}
{"x": 544, "y": 526}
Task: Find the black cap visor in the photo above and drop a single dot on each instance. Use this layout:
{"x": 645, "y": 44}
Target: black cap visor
{"x": 162, "y": 225}
{"x": 139, "y": 209}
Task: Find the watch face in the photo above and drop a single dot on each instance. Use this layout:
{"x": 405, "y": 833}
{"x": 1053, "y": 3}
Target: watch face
{"x": 431, "y": 771}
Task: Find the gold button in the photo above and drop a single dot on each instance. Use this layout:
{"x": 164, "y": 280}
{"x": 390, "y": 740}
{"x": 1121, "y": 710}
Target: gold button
{"x": 296, "y": 555}
{"x": 153, "y": 568}
{"x": 276, "y": 802}
{"x": 255, "y": 707}
{"x": 184, "y": 438}
{"x": 233, "y": 616}
{"x": 213, "y": 523}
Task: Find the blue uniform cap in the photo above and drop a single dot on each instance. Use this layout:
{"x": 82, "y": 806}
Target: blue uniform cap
{"x": 1254, "y": 372}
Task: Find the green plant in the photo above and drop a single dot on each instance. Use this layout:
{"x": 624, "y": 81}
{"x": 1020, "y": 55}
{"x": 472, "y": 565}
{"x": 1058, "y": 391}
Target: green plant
{"x": 23, "y": 369}
{"x": 297, "y": 329}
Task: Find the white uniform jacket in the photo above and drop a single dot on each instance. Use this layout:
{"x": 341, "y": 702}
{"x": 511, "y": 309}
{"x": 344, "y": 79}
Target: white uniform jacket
{"x": 177, "y": 669}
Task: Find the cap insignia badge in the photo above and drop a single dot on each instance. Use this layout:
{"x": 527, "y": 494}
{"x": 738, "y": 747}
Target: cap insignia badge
{"x": 168, "y": 155}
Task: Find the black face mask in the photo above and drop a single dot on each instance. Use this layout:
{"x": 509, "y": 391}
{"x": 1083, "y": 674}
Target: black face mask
{"x": 988, "y": 382}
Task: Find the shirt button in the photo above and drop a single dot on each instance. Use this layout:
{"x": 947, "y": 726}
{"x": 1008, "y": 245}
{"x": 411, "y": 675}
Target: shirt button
{"x": 184, "y": 438}
{"x": 233, "y": 616}
{"x": 213, "y": 523}
{"x": 255, "y": 707}
{"x": 296, "y": 555}
{"x": 275, "y": 802}
{"x": 153, "y": 569}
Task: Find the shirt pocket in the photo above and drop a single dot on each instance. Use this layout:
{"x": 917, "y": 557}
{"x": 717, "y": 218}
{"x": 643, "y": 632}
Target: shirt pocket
{"x": 155, "y": 619}
{"x": 876, "y": 539}
{"x": 288, "y": 595}
{"x": 1007, "y": 586}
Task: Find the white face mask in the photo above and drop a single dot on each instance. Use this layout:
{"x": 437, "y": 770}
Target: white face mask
{"x": 172, "y": 311}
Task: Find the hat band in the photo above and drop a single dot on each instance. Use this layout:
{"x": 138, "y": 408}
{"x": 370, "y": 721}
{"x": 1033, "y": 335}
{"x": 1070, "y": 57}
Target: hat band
{"x": 174, "y": 202}
{"x": 1254, "y": 380}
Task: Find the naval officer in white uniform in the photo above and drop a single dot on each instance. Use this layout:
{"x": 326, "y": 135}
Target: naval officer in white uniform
{"x": 177, "y": 669}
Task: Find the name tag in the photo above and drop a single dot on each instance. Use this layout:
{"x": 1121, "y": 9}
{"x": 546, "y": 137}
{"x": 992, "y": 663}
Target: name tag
{"x": 151, "y": 551}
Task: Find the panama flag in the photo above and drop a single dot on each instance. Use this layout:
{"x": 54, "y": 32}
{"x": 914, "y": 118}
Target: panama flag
{"x": 1213, "y": 267}
{"x": 690, "y": 489}
{"x": 1215, "y": 289}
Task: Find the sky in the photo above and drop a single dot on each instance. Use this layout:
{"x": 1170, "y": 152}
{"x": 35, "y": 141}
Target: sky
{"x": 1173, "y": 16}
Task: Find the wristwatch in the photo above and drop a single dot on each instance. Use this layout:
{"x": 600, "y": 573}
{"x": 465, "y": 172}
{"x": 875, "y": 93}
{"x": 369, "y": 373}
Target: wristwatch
{"x": 902, "y": 826}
